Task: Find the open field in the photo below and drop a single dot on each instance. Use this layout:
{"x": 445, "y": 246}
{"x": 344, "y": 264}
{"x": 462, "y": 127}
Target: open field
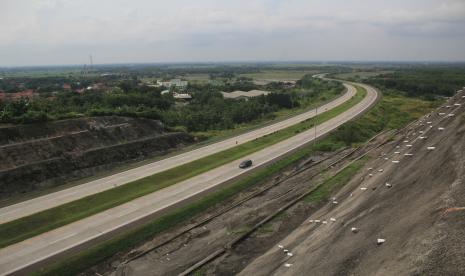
{"x": 280, "y": 75}
{"x": 44, "y": 73}
{"x": 362, "y": 75}
{"x": 197, "y": 77}
{"x": 193, "y": 77}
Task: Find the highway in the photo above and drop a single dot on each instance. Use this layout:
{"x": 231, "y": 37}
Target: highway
{"x": 31, "y": 206}
{"x": 30, "y": 252}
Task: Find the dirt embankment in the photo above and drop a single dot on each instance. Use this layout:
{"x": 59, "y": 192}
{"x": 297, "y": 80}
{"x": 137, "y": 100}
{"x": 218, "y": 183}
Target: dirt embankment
{"x": 411, "y": 196}
{"x": 46, "y": 155}
{"x": 420, "y": 216}
{"x": 222, "y": 224}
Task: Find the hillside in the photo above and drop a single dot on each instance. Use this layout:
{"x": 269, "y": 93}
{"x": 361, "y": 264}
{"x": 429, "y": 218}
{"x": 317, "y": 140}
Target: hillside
{"x": 36, "y": 156}
{"x": 408, "y": 195}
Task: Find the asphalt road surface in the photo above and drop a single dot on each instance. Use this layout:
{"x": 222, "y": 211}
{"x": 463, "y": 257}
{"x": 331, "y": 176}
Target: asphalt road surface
{"x": 30, "y": 252}
{"x": 51, "y": 200}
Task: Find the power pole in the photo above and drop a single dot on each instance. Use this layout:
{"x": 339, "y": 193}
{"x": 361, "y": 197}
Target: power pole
{"x": 91, "y": 62}
{"x": 84, "y": 70}
{"x": 316, "y": 115}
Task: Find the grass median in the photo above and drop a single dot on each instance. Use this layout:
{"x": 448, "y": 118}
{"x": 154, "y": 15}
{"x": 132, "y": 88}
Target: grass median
{"x": 27, "y": 227}
{"x": 382, "y": 116}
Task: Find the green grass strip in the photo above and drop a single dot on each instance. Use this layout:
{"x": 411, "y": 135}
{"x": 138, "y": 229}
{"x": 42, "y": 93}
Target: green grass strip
{"x": 35, "y": 224}
{"x": 335, "y": 182}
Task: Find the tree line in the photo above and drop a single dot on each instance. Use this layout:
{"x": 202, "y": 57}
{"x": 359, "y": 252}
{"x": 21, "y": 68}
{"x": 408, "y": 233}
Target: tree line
{"x": 207, "y": 110}
{"x": 426, "y": 83}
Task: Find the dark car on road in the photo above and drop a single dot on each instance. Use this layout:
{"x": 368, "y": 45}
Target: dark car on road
{"x": 245, "y": 164}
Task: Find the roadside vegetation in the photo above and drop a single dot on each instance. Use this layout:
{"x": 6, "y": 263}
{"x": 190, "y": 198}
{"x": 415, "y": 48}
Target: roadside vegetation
{"x": 44, "y": 221}
{"x": 421, "y": 81}
{"x": 207, "y": 111}
{"x": 382, "y": 117}
{"x": 393, "y": 111}
{"x": 424, "y": 83}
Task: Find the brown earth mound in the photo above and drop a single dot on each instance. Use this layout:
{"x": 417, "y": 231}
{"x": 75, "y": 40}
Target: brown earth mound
{"x": 44, "y": 155}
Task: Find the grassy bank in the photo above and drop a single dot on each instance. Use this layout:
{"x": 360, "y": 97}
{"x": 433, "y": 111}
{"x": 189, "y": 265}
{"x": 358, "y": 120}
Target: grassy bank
{"x": 393, "y": 111}
{"x": 23, "y": 228}
{"x": 382, "y": 115}
{"x": 337, "y": 181}
{"x": 322, "y": 192}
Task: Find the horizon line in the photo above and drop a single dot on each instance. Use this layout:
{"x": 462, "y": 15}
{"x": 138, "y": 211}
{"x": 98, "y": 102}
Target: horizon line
{"x": 319, "y": 62}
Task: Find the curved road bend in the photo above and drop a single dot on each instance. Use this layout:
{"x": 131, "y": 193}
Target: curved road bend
{"x": 31, "y": 252}
{"x": 51, "y": 200}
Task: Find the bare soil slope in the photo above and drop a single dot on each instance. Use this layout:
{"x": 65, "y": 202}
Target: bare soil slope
{"x": 49, "y": 154}
{"x": 420, "y": 217}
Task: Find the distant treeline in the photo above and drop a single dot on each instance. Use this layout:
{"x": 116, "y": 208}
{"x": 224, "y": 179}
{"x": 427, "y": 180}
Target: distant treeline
{"x": 427, "y": 83}
{"x": 52, "y": 84}
{"x": 208, "y": 110}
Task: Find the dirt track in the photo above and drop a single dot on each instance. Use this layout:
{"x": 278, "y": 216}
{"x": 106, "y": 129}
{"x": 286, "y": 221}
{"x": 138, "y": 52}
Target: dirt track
{"x": 421, "y": 217}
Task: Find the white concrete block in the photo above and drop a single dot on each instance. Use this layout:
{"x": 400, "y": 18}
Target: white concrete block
{"x": 380, "y": 241}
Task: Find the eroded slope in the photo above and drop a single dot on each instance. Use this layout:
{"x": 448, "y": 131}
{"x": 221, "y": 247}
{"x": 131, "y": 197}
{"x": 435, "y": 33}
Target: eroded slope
{"x": 421, "y": 216}
{"x": 39, "y": 155}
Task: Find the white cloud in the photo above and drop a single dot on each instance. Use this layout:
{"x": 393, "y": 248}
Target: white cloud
{"x": 60, "y": 31}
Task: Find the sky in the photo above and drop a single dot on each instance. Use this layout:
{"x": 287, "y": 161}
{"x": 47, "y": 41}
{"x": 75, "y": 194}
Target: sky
{"x": 60, "y": 32}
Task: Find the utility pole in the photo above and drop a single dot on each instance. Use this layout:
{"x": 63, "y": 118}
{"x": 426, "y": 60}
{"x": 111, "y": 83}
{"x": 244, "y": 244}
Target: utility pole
{"x": 316, "y": 115}
{"x": 91, "y": 62}
{"x": 84, "y": 70}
